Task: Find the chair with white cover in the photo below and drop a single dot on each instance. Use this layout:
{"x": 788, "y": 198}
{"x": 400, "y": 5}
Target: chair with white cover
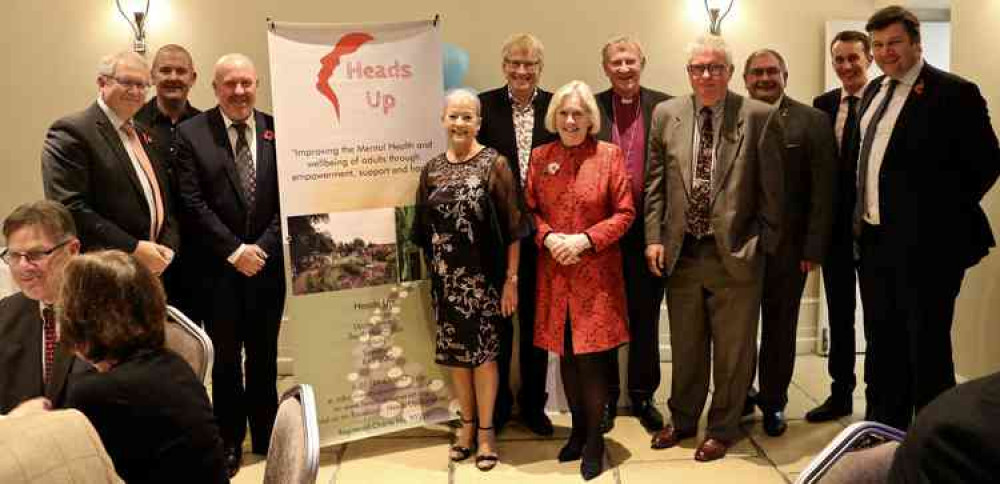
{"x": 860, "y": 454}
{"x": 293, "y": 454}
{"x": 188, "y": 340}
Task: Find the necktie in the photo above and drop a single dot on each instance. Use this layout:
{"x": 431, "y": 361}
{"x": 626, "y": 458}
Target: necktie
{"x": 51, "y": 340}
{"x": 850, "y": 125}
{"x": 866, "y": 148}
{"x": 244, "y": 164}
{"x": 147, "y": 168}
{"x": 698, "y": 210}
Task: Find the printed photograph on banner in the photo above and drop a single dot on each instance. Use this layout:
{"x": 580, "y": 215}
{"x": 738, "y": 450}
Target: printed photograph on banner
{"x": 343, "y": 250}
{"x": 407, "y": 252}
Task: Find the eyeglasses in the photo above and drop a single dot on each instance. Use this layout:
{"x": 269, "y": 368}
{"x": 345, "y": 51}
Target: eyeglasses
{"x": 527, "y": 65}
{"x": 698, "y": 70}
{"x": 761, "y": 71}
{"x": 129, "y": 84}
{"x": 31, "y": 256}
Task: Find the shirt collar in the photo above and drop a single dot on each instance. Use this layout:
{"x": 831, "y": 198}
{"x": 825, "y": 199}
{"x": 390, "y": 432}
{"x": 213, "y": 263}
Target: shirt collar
{"x": 229, "y": 122}
{"x": 844, "y": 94}
{"x": 513, "y": 100}
{"x": 110, "y": 113}
{"x": 716, "y": 109}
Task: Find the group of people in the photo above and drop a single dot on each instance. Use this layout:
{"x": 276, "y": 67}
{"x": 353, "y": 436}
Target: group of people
{"x": 192, "y": 198}
{"x": 577, "y": 212}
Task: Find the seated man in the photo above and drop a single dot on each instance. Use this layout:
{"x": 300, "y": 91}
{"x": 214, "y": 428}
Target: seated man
{"x": 40, "y": 238}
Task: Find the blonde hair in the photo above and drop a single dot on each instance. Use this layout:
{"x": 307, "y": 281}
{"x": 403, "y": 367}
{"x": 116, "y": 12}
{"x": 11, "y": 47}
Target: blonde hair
{"x": 581, "y": 90}
{"x": 524, "y": 41}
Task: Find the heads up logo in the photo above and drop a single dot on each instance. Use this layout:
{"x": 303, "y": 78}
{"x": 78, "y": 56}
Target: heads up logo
{"x": 349, "y": 44}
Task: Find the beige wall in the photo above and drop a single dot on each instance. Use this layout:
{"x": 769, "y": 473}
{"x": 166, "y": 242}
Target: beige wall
{"x": 54, "y": 46}
{"x": 977, "y": 329}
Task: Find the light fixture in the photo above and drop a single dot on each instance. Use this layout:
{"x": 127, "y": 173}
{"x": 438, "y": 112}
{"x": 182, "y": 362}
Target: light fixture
{"x": 716, "y": 13}
{"x": 135, "y": 15}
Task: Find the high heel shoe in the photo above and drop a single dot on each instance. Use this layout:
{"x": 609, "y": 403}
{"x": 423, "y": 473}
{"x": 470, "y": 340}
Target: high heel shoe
{"x": 458, "y": 453}
{"x": 486, "y": 462}
{"x": 593, "y": 463}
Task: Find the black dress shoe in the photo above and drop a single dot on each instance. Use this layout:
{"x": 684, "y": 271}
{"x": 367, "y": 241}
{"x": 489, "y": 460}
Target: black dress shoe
{"x": 748, "y": 405}
{"x": 608, "y": 416}
{"x": 537, "y": 422}
{"x": 232, "y": 458}
{"x": 591, "y": 468}
{"x": 650, "y": 418}
{"x": 831, "y": 409}
{"x": 774, "y": 423}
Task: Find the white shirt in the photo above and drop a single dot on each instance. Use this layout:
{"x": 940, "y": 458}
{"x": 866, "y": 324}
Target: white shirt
{"x": 838, "y": 126}
{"x": 251, "y": 135}
{"x": 882, "y": 134}
{"x": 147, "y": 188}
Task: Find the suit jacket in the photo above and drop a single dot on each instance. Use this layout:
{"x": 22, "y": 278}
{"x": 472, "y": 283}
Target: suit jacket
{"x": 846, "y": 173}
{"x": 86, "y": 167}
{"x": 941, "y": 159}
{"x": 21, "y": 356}
{"x": 213, "y": 197}
{"x": 809, "y": 166}
{"x": 497, "y": 130}
{"x": 747, "y": 186}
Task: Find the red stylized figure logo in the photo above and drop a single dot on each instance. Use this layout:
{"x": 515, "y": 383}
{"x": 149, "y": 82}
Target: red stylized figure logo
{"x": 348, "y": 44}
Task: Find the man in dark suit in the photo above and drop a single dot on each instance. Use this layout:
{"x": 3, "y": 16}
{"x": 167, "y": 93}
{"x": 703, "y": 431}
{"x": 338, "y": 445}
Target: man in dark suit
{"x": 713, "y": 207}
{"x": 229, "y": 185}
{"x": 173, "y": 76}
{"x": 99, "y": 164}
{"x": 809, "y": 164}
{"x": 851, "y": 56}
{"x": 514, "y": 123}
{"x": 928, "y": 155}
{"x": 626, "y": 113}
{"x": 41, "y": 239}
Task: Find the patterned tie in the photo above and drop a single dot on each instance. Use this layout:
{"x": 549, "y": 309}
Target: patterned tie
{"x": 866, "y": 149}
{"x": 147, "y": 168}
{"x": 244, "y": 164}
{"x": 51, "y": 340}
{"x": 698, "y": 210}
{"x": 850, "y": 125}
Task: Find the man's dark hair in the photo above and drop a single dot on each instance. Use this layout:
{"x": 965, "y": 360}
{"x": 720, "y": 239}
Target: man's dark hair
{"x": 756, "y": 54}
{"x": 853, "y": 36}
{"x": 54, "y": 219}
{"x": 895, "y": 14}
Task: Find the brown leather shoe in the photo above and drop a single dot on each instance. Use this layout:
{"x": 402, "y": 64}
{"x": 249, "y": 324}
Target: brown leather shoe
{"x": 669, "y": 437}
{"x": 711, "y": 449}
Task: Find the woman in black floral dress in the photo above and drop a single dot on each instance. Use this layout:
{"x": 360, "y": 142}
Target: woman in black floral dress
{"x": 469, "y": 225}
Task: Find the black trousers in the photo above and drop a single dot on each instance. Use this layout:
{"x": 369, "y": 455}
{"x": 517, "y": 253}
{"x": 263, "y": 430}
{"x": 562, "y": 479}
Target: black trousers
{"x": 840, "y": 284}
{"x": 244, "y": 314}
{"x": 533, "y": 361}
{"x": 909, "y": 309}
{"x": 643, "y": 297}
{"x": 780, "y": 300}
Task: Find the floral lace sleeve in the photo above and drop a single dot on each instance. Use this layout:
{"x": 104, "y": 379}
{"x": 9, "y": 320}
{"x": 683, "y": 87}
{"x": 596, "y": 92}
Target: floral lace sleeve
{"x": 504, "y": 195}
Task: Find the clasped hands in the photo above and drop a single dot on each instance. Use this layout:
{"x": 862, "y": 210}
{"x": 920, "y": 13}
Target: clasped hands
{"x": 566, "y": 248}
{"x": 154, "y": 256}
{"x": 251, "y": 260}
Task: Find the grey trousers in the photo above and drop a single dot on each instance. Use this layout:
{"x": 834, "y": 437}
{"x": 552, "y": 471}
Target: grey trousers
{"x": 713, "y": 325}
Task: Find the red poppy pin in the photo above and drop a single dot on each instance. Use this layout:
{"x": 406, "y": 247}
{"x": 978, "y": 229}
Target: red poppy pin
{"x": 269, "y": 135}
{"x": 146, "y": 138}
{"x": 919, "y": 88}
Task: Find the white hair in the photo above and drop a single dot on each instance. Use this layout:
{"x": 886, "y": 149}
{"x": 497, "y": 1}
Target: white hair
{"x": 710, "y": 43}
{"x": 586, "y": 95}
{"x": 109, "y": 63}
{"x": 462, "y": 94}
{"x": 622, "y": 40}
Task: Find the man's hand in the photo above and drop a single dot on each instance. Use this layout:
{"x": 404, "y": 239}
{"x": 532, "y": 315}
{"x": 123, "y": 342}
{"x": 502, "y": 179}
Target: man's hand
{"x": 152, "y": 255}
{"x": 28, "y": 407}
{"x": 251, "y": 261}
{"x": 654, "y": 258}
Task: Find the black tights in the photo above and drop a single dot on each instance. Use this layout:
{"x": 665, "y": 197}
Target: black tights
{"x": 585, "y": 383}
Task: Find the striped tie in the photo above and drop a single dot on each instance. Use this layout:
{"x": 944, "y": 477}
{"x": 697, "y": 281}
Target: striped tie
{"x": 51, "y": 340}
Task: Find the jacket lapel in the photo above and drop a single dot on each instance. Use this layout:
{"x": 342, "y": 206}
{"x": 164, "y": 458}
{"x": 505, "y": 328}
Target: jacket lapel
{"x": 110, "y": 135}
{"x": 730, "y": 143}
{"x": 266, "y": 166}
{"x": 218, "y": 126}
{"x": 684, "y": 141}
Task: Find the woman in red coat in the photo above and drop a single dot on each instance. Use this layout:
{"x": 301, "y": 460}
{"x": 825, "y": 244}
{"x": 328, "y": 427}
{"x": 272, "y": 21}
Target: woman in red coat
{"x": 578, "y": 193}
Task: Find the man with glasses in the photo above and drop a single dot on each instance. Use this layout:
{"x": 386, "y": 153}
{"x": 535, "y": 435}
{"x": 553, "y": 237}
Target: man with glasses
{"x": 514, "y": 123}
{"x": 99, "y": 164}
{"x": 810, "y": 158}
{"x": 41, "y": 239}
{"x": 713, "y": 207}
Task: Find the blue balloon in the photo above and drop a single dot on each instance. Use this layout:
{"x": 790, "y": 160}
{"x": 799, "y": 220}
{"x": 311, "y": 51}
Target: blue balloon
{"x": 456, "y": 65}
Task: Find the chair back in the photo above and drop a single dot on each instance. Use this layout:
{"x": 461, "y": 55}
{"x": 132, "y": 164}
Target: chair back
{"x": 871, "y": 438}
{"x": 188, "y": 340}
{"x": 293, "y": 454}
{"x": 53, "y": 448}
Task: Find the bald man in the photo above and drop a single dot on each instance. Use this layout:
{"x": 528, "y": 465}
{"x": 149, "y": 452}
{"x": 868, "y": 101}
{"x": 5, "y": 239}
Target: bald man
{"x": 229, "y": 188}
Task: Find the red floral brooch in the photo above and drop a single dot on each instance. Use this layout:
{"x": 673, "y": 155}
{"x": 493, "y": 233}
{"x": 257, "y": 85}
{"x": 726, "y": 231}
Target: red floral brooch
{"x": 269, "y": 135}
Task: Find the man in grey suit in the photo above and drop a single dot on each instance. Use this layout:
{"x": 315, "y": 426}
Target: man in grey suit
{"x": 810, "y": 161}
{"x": 100, "y": 165}
{"x": 41, "y": 239}
{"x": 713, "y": 206}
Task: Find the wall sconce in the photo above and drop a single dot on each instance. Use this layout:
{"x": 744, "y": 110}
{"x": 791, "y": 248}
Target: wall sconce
{"x": 716, "y": 14}
{"x": 135, "y": 15}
